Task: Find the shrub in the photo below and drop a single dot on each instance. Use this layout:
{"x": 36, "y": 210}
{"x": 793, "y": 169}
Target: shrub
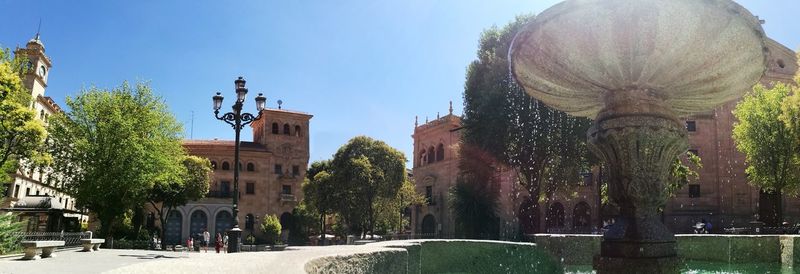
{"x": 271, "y": 227}
{"x": 9, "y": 233}
{"x": 131, "y": 244}
{"x": 250, "y": 239}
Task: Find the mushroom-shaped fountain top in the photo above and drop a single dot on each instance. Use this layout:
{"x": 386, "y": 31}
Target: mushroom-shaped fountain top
{"x": 584, "y": 56}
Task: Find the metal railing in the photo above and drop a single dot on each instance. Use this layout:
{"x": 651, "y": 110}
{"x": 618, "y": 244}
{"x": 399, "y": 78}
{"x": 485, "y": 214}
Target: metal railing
{"x": 219, "y": 194}
{"x": 762, "y": 230}
{"x": 70, "y": 238}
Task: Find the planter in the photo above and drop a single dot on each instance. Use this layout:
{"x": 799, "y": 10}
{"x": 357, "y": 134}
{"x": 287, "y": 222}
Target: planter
{"x": 279, "y": 247}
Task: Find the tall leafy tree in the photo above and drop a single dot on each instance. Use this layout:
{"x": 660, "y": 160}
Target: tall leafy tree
{"x": 194, "y": 184}
{"x": 767, "y": 133}
{"x": 389, "y": 211}
{"x": 113, "y": 146}
{"x": 319, "y": 193}
{"x": 21, "y": 134}
{"x": 475, "y": 197}
{"x": 366, "y": 169}
{"x": 547, "y": 147}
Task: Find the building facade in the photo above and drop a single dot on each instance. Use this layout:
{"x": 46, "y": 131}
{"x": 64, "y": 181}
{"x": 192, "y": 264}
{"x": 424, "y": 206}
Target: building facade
{"x": 436, "y": 166}
{"x": 34, "y": 192}
{"x": 272, "y": 168}
{"x": 721, "y": 194}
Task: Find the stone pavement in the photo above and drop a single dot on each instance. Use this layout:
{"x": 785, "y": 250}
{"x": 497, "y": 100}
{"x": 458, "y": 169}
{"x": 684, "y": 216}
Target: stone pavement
{"x": 291, "y": 260}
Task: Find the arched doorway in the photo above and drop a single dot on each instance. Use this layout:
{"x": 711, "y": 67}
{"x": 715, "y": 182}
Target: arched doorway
{"x": 529, "y": 217}
{"x": 173, "y": 230}
{"x": 286, "y": 220}
{"x": 555, "y": 217}
{"x": 222, "y": 222}
{"x": 428, "y": 226}
{"x": 582, "y": 217}
{"x": 198, "y": 222}
{"x": 286, "y": 226}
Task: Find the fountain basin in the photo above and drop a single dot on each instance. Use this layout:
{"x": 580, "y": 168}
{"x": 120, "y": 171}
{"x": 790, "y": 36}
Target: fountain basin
{"x": 577, "y": 249}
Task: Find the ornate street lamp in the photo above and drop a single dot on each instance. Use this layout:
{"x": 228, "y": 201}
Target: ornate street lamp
{"x": 237, "y": 120}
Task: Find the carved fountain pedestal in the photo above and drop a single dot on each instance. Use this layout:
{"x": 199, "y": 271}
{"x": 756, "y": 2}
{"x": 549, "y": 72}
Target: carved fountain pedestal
{"x": 635, "y": 67}
{"x": 638, "y": 136}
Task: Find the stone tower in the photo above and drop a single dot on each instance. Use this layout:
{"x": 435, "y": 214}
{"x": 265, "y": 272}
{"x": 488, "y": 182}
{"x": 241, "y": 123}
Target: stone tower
{"x": 38, "y": 66}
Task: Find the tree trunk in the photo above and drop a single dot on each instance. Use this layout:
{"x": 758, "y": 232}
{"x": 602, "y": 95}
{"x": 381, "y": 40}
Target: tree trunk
{"x": 322, "y": 231}
{"x": 770, "y": 208}
{"x": 106, "y": 224}
{"x": 534, "y": 190}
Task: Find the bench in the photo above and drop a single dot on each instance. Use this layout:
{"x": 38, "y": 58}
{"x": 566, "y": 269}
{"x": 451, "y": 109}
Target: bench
{"x": 31, "y": 248}
{"x": 92, "y": 244}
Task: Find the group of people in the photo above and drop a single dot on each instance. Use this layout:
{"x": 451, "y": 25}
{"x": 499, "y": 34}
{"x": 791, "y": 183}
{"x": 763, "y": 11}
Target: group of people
{"x": 702, "y": 227}
{"x": 221, "y": 242}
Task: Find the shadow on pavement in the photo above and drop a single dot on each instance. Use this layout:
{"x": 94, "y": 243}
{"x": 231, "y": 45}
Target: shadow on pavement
{"x": 152, "y": 256}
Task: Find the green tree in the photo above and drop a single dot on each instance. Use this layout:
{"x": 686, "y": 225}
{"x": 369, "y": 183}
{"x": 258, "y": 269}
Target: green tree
{"x": 547, "y": 147}
{"x": 474, "y": 198}
{"x": 303, "y": 223}
{"x": 194, "y": 184}
{"x": 363, "y": 171}
{"x": 389, "y": 211}
{"x": 767, "y": 133}
{"x": 319, "y": 192}
{"x": 271, "y": 227}
{"x": 113, "y": 146}
{"x": 9, "y": 233}
{"x": 21, "y": 134}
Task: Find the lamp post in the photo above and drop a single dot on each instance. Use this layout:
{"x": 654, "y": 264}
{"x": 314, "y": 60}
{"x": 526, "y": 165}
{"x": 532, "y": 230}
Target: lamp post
{"x": 237, "y": 120}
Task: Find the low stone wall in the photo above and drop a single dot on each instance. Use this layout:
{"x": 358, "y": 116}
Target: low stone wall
{"x": 571, "y": 249}
{"x": 785, "y": 249}
{"x": 384, "y": 261}
{"x": 730, "y": 248}
{"x": 441, "y": 256}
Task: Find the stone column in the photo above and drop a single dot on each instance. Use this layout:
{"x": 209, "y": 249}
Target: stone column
{"x": 638, "y": 136}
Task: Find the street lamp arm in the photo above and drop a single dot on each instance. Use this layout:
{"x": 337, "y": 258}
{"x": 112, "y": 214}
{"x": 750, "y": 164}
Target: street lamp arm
{"x": 229, "y": 118}
{"x": 248, "y": 118}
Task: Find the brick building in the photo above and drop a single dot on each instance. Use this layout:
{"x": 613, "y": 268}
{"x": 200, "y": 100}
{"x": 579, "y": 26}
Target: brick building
{"x": 720, "y": 195}
{"x": 272, "y": 168}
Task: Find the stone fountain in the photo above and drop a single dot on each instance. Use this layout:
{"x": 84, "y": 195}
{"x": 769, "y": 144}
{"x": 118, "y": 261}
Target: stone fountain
{"x": 635, "y": 67}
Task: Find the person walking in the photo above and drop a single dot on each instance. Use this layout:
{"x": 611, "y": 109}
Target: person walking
{"x": 225, "y": 243}
{"x": 189, "y": 244}
{"x": 206, "y": 239}
{"x": 218, "y": 242}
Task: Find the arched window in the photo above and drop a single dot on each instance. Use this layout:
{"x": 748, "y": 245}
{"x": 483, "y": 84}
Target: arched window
{"x": 422, "y": 158}
{"x": 286, "y": 129}
{"x": 428, "y": 226}
{"x": 431, "y": 155}
{"x": 440, "y": 152}
{"x": 41, "y": 115}
{"x": 226, "y": 166}
{"x": 251, "y": 167}
{"x": 297, "y": 131}
{"x": 249, "y": 222}
{"x": 529, "y": 216}
{"x": 582, "y": 216}
{"x": 555, "y": 216}
{"x": 214, "y": 165}
{"x": 275, "y": 128}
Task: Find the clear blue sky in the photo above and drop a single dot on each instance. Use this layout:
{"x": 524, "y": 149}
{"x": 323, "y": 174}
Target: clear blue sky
{"x": 360, "y": 67}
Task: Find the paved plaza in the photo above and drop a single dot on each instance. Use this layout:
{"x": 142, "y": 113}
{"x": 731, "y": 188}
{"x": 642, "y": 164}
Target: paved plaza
{"x": 291, "y": 260}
